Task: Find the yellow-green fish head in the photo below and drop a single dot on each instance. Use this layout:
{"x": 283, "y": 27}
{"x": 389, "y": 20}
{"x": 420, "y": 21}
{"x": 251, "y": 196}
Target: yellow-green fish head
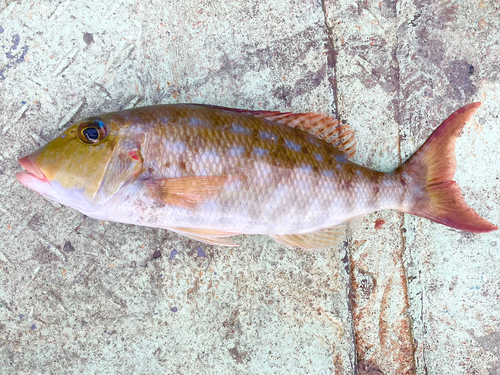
{"x": 86, "y": 165}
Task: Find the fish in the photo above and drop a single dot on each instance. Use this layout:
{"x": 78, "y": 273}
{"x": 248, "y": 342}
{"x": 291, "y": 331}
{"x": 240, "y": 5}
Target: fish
{"x": 210, "y": 173}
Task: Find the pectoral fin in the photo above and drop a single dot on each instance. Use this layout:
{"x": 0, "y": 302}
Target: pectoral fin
{"x": 186, "y": 191}
{"x": 323, "y": 238}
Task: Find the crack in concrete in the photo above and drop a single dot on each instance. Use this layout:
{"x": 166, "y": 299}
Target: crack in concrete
{"x": 424, "y": 328}
{"x": 332, "y": 79}
{"x": 331, "y": 60}
{"x": 397, "y": 110}
{"x": 406, "y": 287}
{"x": 350, "y": 296}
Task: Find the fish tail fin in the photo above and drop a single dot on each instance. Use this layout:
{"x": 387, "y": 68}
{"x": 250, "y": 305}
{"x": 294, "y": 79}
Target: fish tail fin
{"x": 432, "y": 169}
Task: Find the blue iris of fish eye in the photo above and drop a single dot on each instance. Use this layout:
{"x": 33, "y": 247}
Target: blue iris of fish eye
{"x": 98, "y": 123}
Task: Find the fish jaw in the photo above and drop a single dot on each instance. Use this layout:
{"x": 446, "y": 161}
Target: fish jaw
{"x": 32, "y": 169}
{"x": 33, "y": 178}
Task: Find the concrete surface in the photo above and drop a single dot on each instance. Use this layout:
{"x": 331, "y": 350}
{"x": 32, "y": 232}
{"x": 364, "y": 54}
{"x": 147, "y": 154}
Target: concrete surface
{"x": 411, "y": 296}
{"x": 80, "y": 296}
{"x": 425, "y": 297}
{"x": 365, "y": 35}
{"x": 454, "y": 290}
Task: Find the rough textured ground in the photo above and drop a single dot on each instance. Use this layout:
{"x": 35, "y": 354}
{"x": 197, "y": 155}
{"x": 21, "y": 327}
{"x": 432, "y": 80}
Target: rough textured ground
{"x": 82, "y": 296}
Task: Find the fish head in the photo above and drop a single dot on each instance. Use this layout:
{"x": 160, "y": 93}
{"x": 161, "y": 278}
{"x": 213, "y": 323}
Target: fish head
{"x": 86, "y": 165}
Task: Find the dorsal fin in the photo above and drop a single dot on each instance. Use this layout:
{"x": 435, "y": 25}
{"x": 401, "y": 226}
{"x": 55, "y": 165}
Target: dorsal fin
{"x": 322, "y": 126}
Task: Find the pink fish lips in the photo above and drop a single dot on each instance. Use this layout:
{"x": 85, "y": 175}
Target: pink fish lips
{"x": 33, "y": 175}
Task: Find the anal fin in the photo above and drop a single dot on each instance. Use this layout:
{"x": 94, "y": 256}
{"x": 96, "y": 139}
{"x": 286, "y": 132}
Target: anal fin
{"x": 323, "y": 238}
{"x": 208, "y": 236}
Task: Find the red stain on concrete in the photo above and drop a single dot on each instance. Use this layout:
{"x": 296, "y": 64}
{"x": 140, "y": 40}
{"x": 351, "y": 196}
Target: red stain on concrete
{"x": 379, "y": 223}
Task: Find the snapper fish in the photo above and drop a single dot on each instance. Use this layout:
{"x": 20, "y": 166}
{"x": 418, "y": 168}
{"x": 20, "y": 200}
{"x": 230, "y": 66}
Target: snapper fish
{"x": 210, "y": 173}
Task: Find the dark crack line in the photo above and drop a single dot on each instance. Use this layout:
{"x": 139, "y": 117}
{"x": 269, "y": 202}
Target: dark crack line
{"x": 350, "y": 297}
{"x": 332, "y": 78}
{"x": 423, "y": 327}
{"x": 397, "y": 109}
{"x": 331, "y": 61}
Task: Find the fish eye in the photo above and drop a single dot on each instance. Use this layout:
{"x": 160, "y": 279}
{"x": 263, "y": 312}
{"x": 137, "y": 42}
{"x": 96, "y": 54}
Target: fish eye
{"x": 92, "y": 131}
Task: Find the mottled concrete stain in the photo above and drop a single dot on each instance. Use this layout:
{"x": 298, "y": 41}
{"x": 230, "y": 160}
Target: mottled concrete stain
{"x": 379, "y": 303}
{"x": 257, "y": 58}
{"x": 88, "y": 38}
{"x": 311, "y": 80}
{"x": 490, "y": 342}
{"x": 459, "y": 75}
{"x": 368, "y": 368}
{"x": 363, "y": 285}
{"x": 14, "y": 54}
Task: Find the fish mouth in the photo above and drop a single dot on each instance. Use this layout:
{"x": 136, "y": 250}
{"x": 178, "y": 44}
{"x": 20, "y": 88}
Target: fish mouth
{"x": 32, "y": 174}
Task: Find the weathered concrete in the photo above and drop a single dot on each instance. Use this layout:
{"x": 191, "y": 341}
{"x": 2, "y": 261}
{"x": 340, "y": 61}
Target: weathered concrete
{"x": 79, "y": 296}
{"x": 365, "y": 38}
{"x": 449, "y": 56}
{"x": 402, "y": 68}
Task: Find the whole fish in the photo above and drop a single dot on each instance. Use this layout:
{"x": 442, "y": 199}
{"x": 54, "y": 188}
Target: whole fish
{"x": 210, "y": 173}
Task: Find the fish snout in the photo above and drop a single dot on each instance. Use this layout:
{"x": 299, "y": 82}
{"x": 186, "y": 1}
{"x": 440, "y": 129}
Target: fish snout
{"x": 33, "y": 174}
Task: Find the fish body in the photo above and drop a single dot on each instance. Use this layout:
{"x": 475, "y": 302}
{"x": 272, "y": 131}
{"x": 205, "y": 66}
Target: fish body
{"x": 210, "y": 172}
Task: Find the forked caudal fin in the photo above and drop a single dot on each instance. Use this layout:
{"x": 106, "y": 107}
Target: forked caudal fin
{"x": 432, "y": 168}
